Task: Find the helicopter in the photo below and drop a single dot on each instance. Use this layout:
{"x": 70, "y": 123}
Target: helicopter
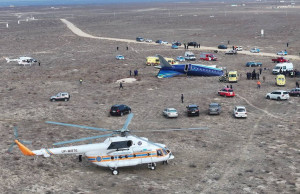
{"x": 122, "y": 150}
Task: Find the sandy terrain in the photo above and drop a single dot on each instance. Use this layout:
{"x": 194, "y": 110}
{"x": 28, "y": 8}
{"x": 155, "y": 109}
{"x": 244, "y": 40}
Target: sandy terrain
{"x": 259, "y": 154}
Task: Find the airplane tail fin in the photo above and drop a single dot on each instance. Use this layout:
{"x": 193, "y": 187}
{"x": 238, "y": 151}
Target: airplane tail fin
{"x": 7, "y": 60}
{"x": 26, "y": 151}
{"x": 163, "y": 62}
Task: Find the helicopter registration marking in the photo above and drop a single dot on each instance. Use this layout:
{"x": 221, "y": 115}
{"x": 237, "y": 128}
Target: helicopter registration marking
{"x": 69, "y": 151}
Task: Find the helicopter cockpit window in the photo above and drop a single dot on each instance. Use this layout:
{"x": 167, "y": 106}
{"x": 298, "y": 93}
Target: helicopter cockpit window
{"x": 159, "y": 153}
{"x": 120, "y": 144}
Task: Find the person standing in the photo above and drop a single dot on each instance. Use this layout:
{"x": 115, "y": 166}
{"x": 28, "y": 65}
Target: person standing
{"x": 121, "y": 86}
{"x": 264, "y": 78}
{"x": 80, "y": 81}
{"x": 117, "y": 48}
{"x": 297, "y": 84}
{"x": 130, "y": 72}
{"x": 182, "y": 98}
{"x": 127, "y": 48}
{"x": 260, "y": 70}
{"x": 287, "y": 44}
{"x": 258, "y": 84}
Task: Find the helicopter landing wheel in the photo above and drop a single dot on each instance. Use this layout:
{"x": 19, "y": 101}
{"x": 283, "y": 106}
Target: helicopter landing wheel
{"x": 152, "y": 166}
{"x": 115, "y": 172}
{"x": 166, "y": 162}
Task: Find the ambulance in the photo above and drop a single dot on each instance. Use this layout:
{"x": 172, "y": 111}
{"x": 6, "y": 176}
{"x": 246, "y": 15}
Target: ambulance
{"x": 232, "y": 76}
{"x": 155, "y": 61}
{"x": 280, "y": 80}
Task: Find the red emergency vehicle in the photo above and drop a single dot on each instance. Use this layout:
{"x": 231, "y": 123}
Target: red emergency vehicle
{"x": 208, "y": 57}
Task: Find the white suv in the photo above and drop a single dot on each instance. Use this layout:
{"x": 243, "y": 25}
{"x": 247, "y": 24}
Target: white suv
{"x": 240, "y": 111}
{"x": 278, "y": 95}
{"x": 64, "y": 96}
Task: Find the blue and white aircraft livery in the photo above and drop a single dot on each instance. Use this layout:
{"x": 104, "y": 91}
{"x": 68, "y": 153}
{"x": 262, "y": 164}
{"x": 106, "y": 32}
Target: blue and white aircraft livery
{"x": 168, "y": 70}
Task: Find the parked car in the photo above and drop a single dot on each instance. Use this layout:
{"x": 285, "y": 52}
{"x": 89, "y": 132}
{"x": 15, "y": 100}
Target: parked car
{"x": 158, "y": 41}
{"x": 294, "y": 92}
{"x": 148, "y": 40}
{"x": 282, "y": 52}
{"x": 164, "y": 42}
{"x": 192, "y": 44}
{"x": 208, "y": 57}
{"x": 119, "y": 110}
{"x": 140, "y": 39}
{"x": 177, "y": 43}
{"x": 226, "y": 92}
{"x": 240, "y": 111}
{"x": 278, "y": 95}
{"x": 214, "y": 108}
{"x": 174, "y": 46}
{"x": 238, "y": 48}
{"x": 180, "y": 58}
{"x": 231, "y": 52}
{"x": 192, "y": 110}
{"x": 280, "y": 60}
{"x": 222, "y": 46}
{"x": 120, "y": 57}
{"x": 170, "y": 113}
{"x": 61, "y": 96}
{"x": 255, "y": 50}
{"x": 253, "y": 64}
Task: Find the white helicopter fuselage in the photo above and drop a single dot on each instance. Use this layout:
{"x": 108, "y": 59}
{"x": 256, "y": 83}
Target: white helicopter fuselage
{"x": 23, "y": 60}
{"x": 115, "y": 152}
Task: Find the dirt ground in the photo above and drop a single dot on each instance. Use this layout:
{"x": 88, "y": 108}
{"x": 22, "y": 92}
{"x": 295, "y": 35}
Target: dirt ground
{"x": 259, "y": 154}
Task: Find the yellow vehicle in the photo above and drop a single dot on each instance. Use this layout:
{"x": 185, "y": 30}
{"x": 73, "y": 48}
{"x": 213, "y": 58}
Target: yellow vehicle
{"x": 232, "y": 76}
{"x": 280, "y": 80}
{"x": 155, "y": 61}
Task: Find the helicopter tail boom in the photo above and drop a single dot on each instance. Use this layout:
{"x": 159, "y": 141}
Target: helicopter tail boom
{"x": 26, "y": 151}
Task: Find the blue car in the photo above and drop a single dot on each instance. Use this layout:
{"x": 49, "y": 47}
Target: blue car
{"x": 120, "y": 57}
{"x": 222, "y": 46}
{"x": 174, "y": 46}
{"x": 255, "y": 50}
{"x": 180, "y": 58}
{"x": 282, "y": 52}
{"x": 253, "y": 64}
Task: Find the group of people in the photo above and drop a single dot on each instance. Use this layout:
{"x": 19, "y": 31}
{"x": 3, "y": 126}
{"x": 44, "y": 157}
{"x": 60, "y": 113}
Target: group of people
{"x": 186, "y": 46}
{"x": 254, "y": 75}
{"x": 135, "y": 72}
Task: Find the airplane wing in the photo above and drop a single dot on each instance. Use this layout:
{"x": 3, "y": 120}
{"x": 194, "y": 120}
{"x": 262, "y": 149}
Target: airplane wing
{"x": 168, "y": 73}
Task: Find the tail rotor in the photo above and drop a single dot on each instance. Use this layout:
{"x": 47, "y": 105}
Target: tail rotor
{"x": 16, "y": 134}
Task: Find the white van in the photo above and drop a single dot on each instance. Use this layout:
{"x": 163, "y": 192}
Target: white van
{"x": 283, "y": 67}
{"x": 189, "y": 56}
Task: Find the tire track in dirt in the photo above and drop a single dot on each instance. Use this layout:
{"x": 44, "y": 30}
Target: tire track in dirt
{"x": 79, "y": 32}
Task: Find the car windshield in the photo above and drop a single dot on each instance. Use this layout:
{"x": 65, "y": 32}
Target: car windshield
{"x": 172, "y": 110}
{"x": 114, "y": 108}
{"x": 213, "y": 106}
{"x": 192, "y": 108}
{"x": 241, "y": 110}
{"x": 232, "y": 75}
{"x": 230, "y": 90}
{"x": 277, "y": 67}
{"x": 285, "y": 92}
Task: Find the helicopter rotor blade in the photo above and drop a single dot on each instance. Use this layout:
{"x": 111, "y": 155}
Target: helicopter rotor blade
{"x": 148, "y": 141}
{"x": 127, "y": 122}
{"x": 16, "y": 132}
{"x": 25, "y": 142}
{"x": 11, "y": 147}
{"x": 174, "y": 129}
{"x": 79, "y": 126}
{"x": 83, "y": 139}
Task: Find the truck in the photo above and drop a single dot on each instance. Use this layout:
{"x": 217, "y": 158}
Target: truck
{"x": 280, "y": 60}
{"x": 282, "y": 52}
{"x": 189, "y": 56}
{"x": 208, "y": 57}
{"x": 282, "y": 67}
{"x": 253, "y": 64}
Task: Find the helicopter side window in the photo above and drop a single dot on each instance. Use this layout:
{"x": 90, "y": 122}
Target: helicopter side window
{"x": 112, "y": 158}
{"x": 120, "y": 144}
{"x": 165, "y": 152}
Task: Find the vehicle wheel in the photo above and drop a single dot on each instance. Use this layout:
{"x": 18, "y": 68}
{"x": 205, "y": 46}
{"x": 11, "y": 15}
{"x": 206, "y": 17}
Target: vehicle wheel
{"x": 66, "y": 99}
{"x": 278, "y": 98}
{"x": 53, "y": 100}
{"x": 129, "y": 111}
{"x": 122, "y": 114}
{"x": 115, "y": 172}
{"x": 166, "y": 162}
{"x": 152, "y": 167}
{"x": 268, "y": 97}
